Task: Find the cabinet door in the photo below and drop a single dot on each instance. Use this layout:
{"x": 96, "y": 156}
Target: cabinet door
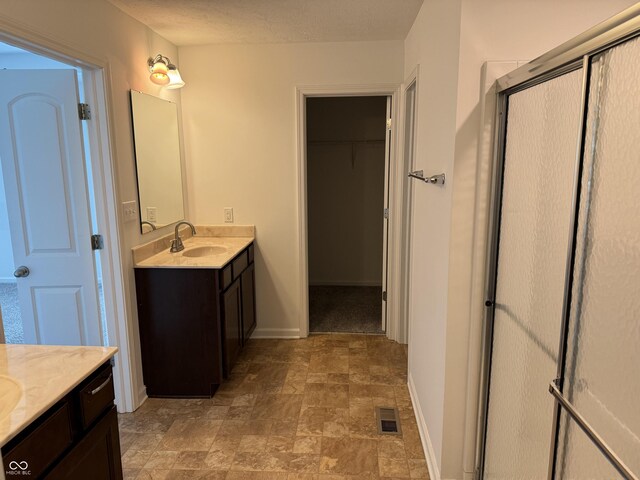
{"x": 232, "y": 322}
{"x": 248, "y": 282}
{"x": 97, "y": 455}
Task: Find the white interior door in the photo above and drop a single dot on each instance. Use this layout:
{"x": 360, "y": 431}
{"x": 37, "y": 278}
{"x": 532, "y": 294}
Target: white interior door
{"x": 47, "y": 200}
{"x": 385, "y": 234}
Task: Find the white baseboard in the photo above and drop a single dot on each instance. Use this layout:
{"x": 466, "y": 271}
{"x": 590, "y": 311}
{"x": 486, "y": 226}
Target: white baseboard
{"x": 142, "y": 397}
{"x": 276, "y": 333}
{"x": 432, "y": 462}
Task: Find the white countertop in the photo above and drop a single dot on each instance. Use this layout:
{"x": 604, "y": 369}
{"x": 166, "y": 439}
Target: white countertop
{"x": 35, "y": 377}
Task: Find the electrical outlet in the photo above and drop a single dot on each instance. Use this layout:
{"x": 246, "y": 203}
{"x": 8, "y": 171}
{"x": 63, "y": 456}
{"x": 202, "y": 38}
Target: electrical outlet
{"x": 228, "y": 215}
{"x": 130, "y": 211}
{"x": 152, "y": 214}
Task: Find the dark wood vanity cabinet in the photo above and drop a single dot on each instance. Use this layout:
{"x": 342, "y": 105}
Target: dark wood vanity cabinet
{"x": 238, "y": 307}
{"x": 77, "y": 438}
{"x": 248, "y": 285}
{"x": 193, "y": 324}
{"x": 180, "y": 332}
{"x": 97, "y": 456}
{"x": 232, "y": 327}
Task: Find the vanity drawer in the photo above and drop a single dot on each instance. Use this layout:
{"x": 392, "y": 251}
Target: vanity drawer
{"x": 96, "y": 397}
{"x": 250, "y": 252}
{"x": 43, "y": 445}
{"x": 239, "y": 264}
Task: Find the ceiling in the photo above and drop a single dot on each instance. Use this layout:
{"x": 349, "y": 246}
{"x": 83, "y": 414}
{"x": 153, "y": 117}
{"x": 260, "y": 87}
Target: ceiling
{"x": 199, "y": 22}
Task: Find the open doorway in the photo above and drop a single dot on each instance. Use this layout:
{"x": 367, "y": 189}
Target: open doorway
{"x": 100, "y": 175}
{"x": 50, "y": 278}
{"x": 347, "y": 197}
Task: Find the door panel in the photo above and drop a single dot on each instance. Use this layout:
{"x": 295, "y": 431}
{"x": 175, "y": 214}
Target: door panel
{"x": 46, "y": 187}
{"x": 602, "y": 379}
{"x": 58, "y": 315}
{"x": 541, "y": 139}
{"x": 53, "y": 231}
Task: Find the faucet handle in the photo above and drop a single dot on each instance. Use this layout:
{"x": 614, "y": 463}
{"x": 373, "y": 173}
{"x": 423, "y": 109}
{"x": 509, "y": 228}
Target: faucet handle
{"x": 176, "y": 245}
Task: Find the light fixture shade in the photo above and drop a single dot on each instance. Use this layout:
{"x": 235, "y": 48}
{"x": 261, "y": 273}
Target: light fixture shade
{"x": 159, "y": 74}
{"x": 175, "y": 80}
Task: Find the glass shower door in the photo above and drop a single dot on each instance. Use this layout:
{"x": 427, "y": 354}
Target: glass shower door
{"x": 539, "y": 162}
{"x": 602, "y": 374}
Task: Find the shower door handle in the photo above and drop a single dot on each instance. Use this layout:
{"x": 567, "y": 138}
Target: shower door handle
{"x": 605, "y": 449}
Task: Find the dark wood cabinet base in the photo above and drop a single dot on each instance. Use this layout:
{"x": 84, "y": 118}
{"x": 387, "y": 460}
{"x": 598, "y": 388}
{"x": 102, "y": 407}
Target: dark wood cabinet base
{"x": 76, "y": 439}
{"x": 193, "y": 324}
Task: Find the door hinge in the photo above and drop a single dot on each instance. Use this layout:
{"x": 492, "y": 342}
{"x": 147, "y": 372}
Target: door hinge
{"x": 84, "y": 111}
{"x": 384, "y": 296}
{"x": 386, "y": 213}
{"x": 388, "y": 124}
{"x": 97, "y": 242}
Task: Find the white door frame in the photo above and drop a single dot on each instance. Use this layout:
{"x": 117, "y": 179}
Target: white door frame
{"x": 400, "y": 263}
{"x": 97, "y": 92}
{"x": 302, "y": 92}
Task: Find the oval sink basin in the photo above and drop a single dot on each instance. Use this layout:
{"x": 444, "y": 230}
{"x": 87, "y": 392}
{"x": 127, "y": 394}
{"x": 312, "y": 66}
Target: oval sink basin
{"x": 204, "y": 251}
{"x": 10, "y": 393}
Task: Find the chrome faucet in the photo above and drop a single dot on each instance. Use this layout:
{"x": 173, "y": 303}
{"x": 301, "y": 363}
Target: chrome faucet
{"x": 176, "y": 243}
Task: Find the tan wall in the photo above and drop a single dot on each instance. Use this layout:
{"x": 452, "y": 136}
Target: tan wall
{"x": 345, "y": 189}
{"x": 240, "y": 137}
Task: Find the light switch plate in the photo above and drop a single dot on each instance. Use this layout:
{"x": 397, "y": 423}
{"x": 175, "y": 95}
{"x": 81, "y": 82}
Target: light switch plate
{"x": 228, "y": 215}
{"x": 152, "y": 214}
{"x": 130, "y": 211}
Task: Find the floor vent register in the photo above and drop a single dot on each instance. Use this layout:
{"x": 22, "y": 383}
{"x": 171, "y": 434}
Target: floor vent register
{"x": 388, "y": 421}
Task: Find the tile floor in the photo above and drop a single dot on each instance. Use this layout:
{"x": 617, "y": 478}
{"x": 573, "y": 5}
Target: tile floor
{"x": 292, "y": 409}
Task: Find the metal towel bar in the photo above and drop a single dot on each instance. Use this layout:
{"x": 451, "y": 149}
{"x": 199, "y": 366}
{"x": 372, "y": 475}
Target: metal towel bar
{"x": 434, "y": 179}
{"x": 617, "y": 463}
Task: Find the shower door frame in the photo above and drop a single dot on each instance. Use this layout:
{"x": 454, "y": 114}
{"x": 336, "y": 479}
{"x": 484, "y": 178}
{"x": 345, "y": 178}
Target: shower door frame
{"x": 570, "y": 56}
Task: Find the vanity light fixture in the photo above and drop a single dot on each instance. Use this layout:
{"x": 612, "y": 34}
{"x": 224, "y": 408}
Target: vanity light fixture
{"x": 164, "y": 73}
{"x": 175, "y": 80}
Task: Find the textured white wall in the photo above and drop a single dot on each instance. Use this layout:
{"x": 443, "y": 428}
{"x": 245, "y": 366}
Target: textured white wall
{"x": 240, "y": 139}
{"x": 100, "y": 30}
{"x": 432, "y": 43}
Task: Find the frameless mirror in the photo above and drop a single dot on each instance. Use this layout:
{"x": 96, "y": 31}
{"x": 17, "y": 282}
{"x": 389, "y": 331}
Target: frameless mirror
{"x": 157, "y": 148}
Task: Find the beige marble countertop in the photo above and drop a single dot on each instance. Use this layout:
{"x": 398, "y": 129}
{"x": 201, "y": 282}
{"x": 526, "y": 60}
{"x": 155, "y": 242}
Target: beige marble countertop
{"x": 34, "y": 377}
{"x": 232, "y": 240}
